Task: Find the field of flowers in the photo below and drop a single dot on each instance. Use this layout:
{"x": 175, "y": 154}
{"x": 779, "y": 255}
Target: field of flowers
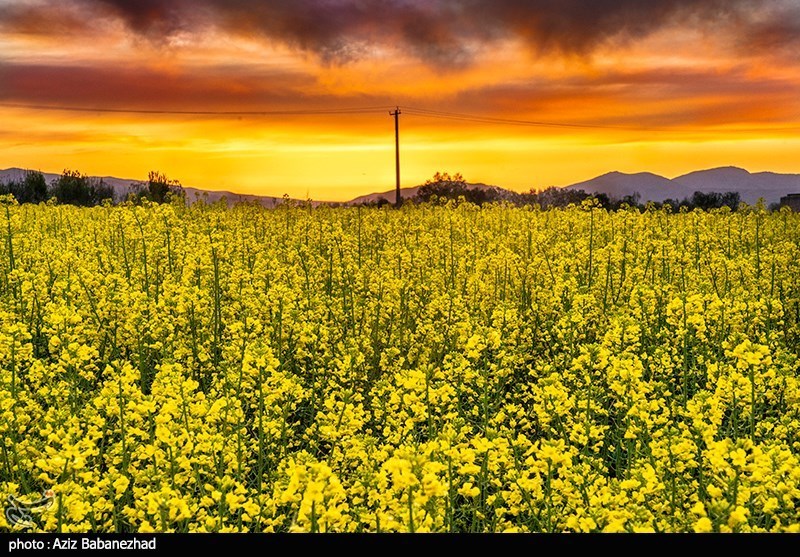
{"x": 437, "y": 368}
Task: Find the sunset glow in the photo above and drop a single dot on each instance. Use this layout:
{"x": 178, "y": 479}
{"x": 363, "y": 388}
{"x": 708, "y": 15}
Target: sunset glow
{"x": 662, "y": 86}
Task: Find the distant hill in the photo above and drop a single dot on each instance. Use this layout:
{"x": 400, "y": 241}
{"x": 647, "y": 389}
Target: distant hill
{"x": 122, "y": 187}
{"x": 194, "y": 194}
{"x": 651, "y": 187}
{"x": 769, "y": 185}
{"x": 389, "y": 196}
{"x": 406, "y": 193}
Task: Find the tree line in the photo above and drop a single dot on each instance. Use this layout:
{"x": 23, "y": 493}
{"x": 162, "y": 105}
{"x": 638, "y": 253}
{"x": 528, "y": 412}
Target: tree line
{"x": 444, "y": 187}
{"x": 74, "y": 188}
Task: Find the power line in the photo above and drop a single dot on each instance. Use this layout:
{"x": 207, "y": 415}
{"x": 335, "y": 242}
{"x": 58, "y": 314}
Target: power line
{"x": 457, "y": 116}
{"x": 410, "y": 110}
{"x": 510, "y": 121}
{"x": 353, "y": 110}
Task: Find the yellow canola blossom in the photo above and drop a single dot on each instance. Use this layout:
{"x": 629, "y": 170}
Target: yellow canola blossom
{"x": 449, "y": 368}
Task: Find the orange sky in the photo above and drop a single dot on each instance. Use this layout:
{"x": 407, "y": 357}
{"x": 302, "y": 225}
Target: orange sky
{"x": 666, "y": 86}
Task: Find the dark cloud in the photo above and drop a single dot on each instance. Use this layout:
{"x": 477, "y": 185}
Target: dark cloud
{"x": 654, "y": 100}
{"x": 58, "y": 19}
{"x": 778, "y": 34}
{"x": 656, "y": 97}
{"x": 445, "y": 31}
{"x": 147, "y": 15}
{"x": 213, "y": 88}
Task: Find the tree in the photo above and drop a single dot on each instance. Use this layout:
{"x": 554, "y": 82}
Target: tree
{"x": 442, "y": 185}
{"x": 555, "y": 197}
{"x": 731, "y": 199}
{"x": 705, "y": 201}
{"x": 31, "y": 189}
{"x": 631, "y": 200}
{"x": 75, "y": 188}
{"x": 445, "y": 186}
{"x": 35, "y": 187}
{"x": 160, "y": 187}
{"x": 380, "y": 202}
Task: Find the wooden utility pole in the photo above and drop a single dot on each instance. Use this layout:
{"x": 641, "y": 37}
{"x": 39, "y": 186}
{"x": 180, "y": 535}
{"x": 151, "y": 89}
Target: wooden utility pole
{"x": 396, "y": 115}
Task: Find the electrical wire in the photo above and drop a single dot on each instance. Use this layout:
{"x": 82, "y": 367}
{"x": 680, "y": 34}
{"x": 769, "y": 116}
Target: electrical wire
{"x": 353, "y": 110}
{"x": 457, "y": 116}
{"x": 408, "y": 110}
{"x": 510, "y": 121}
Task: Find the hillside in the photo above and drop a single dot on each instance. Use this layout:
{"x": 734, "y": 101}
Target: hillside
{"x": 651, "y": 187}
{"x": 769, "y": 185}
{"x": 406, "y": 193}
{"x": 123, "y": 186}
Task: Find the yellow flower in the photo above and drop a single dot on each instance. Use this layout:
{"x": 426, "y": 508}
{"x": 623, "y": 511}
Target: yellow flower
{"x": 469, "y": 490}
{"x": 198, "y": 367}
{"x": 771, "y": 505}
{"x": 233, "y": 501}
{"x": 737, "y": 517}
{"x": 703, "y": 525}
{"x": 120, "y": 485}
{"x": 699, "y": 509}
{"x": 714, "y": 491}
{"x": 615, "y": 526}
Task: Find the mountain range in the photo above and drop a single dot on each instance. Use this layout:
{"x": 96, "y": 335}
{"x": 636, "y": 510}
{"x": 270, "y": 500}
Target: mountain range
{"x": 651, "y": 187}
{"x": 123, "y": 186}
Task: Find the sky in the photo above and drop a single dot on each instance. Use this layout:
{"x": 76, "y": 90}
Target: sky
{"x": 293, "y": 97}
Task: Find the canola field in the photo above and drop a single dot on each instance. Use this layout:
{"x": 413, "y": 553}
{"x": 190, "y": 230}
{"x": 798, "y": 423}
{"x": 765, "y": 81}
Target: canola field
{"x": 434, "y": 368}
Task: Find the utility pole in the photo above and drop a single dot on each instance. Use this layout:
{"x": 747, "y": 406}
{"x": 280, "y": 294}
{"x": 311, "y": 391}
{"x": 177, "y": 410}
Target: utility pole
{"x": 396, "y": 115}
